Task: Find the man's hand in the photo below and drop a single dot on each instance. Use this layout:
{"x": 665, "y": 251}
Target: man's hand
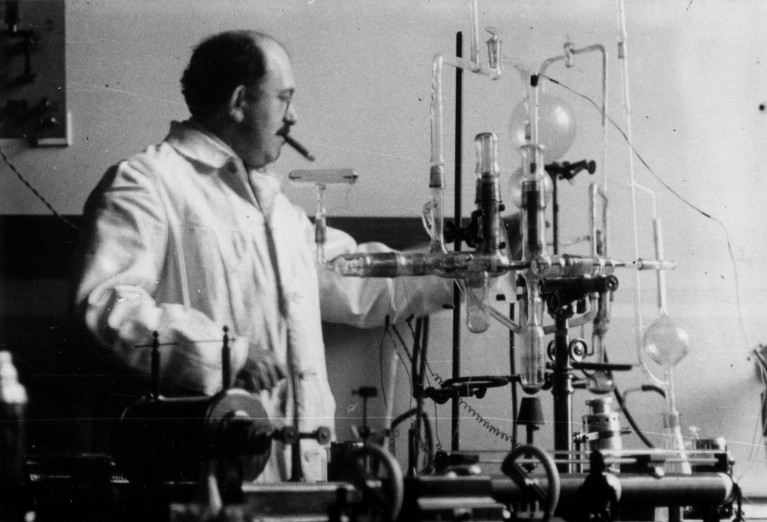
{"x": 262, "y": 371}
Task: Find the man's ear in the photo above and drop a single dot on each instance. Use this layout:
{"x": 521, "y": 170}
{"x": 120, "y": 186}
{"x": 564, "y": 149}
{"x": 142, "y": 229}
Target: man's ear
{"x": 236, "y": 104}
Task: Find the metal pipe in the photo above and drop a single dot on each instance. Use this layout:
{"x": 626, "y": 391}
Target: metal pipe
{"x": 700, "y": 488}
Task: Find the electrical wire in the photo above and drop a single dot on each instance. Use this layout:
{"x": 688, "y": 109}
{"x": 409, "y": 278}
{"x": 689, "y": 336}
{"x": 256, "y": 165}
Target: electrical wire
{"x": 680, "y": 197}
{"x": 630, "y": 418}
{"x": 381, "y": 366}
{"x": 438, "y": 444}
{"x": 761, "y": 423}
{"x": 35, "y": 192}
{"x": 402, "y": 342}
{"x": 478, "y": 417}
{"x": 626, "y": 413}
{"x": 387, "y": 333}
{"x": 684, "y": 200}
{"x": 427, "y": 430}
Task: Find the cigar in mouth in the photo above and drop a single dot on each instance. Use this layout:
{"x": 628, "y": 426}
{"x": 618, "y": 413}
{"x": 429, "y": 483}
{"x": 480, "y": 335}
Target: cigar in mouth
{"x": 303, "y": 151}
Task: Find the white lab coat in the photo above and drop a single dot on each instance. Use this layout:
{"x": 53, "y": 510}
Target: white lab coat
{"x": 180, "y": 239}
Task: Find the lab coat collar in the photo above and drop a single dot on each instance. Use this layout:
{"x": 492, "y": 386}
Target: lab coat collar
{"x": 197, "y": 143}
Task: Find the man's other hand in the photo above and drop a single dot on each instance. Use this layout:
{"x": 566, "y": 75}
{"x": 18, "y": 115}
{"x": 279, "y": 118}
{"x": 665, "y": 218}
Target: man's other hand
{"x": 262, "y": 371}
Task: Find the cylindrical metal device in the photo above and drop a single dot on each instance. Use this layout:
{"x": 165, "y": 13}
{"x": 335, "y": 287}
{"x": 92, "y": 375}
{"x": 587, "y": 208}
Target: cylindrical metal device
{"x": 602, "y": 425}
{"x": 338, "y": 460}
{"x": 166, "y": 439}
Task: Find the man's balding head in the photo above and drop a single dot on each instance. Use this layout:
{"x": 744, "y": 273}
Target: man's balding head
{"x": 219, "y": 64}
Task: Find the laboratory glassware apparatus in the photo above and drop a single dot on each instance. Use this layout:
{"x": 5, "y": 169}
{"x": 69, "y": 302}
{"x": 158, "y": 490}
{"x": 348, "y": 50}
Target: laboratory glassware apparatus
{"x": 321, "y": 178}
{"x": 574, "y": 282}
{"x": 663, "y": 341}
{"x": 455, "y": 264}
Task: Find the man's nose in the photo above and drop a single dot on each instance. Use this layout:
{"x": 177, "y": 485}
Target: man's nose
{"x": 291, "y": 115}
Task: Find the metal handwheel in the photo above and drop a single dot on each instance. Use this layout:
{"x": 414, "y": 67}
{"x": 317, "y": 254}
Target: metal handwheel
{"x": 520, "y": 465}
{"x": 375, "y": 472}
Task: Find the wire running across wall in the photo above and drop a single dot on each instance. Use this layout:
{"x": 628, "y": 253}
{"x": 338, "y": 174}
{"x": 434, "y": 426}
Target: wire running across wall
{"x": 759, "y": 429}
{"x": 34, "y": 191}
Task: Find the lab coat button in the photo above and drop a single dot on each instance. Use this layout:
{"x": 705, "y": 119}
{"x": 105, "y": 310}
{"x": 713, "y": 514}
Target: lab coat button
{"x": 232, "y": 166}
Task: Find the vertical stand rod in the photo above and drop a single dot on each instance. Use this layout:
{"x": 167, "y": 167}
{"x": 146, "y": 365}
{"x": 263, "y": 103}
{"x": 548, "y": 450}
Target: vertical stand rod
{"x": 563, "y": 391}
{"x": 155, "y": 365}
{"x": 555, "y": 213}
{"x": 513, "y": 371}
{"x": 455, "y": 441}
{"x": 226, "y": 361}
{"x": 419, "y": 417}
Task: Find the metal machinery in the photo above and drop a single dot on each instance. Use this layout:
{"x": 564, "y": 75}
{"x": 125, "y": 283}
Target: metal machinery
{"x": 194, "y": 458}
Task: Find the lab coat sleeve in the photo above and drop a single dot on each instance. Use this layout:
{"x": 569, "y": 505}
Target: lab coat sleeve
{"x": 366, "y": 302}
{"x": 125, "y": 243}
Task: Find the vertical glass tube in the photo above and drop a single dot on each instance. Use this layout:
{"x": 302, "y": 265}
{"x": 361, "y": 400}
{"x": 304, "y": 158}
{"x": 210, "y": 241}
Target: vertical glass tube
{"x": 488, "y": 191}
{"x": 487, "y": 200}
{"x": 533, "y": 363}
{"x": 533, "y": 206}
{"x": 672, "y": 434}
{"x": 436, "y": 113}
{"x": 593, "y": 193}
{"x": 437, "y": 170}
{"x": 660, "y": 274}
{"x": 320, "y": 224}
{"x": 486, "y": 147}
{"x": 600, "y": 381}
{"x": 494, "y": 50}
{"x": 474, "y": 33}
{"x": 436, "y": 225}
{"x": 534, "y": 249}
{"x": 477, "y": 316}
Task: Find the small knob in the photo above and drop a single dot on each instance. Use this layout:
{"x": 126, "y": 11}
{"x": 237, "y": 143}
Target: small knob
{"x": 321, "y": 435}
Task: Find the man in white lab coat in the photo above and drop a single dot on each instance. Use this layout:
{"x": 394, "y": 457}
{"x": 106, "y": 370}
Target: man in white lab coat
{"x": 194, "y": 234}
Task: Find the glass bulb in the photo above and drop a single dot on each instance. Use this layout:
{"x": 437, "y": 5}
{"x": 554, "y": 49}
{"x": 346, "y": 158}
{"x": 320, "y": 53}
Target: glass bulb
{"x": 515, "y": 187}
{"x": 556, "y": 125}
{"x": 665, "y": 342}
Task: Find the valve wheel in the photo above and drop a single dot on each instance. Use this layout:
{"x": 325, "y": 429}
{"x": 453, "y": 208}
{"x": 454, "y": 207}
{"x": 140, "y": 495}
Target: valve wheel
{"x": 522, "y": 473}
{"x": 577, "y": 349}
{"x": 375, "y": 472}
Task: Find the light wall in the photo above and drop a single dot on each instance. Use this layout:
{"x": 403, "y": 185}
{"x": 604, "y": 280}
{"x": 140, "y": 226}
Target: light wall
{"x": 696, "y": 82}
